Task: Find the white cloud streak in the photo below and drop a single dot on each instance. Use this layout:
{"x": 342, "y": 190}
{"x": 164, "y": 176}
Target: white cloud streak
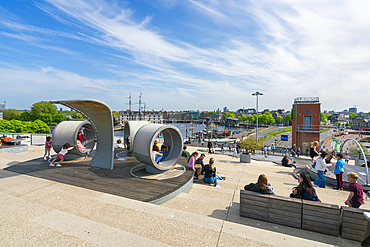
{"x": 285, "y": 48}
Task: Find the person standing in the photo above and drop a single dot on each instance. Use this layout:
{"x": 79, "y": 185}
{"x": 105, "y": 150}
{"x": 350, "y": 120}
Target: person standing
{"x": 314, "y": 150}
{"x": 273, "y": 148}
{"x": 321, "y": 167}
{"x": 209, "y": 145}
{"x": 298, "y": 152}
{"x": 294, "y": 148}
{"x": 347, "y": 158}
{"x": 269, "y": 149}
{"x": 47, "y": 148}
{"x": 339, "y": 170}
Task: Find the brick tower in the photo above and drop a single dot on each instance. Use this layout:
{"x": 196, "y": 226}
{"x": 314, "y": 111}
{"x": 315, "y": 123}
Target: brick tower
{"x": 305, "y": 122}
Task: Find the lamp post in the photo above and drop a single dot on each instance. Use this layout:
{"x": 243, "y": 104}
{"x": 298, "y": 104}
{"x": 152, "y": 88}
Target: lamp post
{"x": 257, "y": 94}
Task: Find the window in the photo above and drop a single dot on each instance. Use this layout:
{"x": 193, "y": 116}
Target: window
{"x": 307, "y": 122}
{"x": 308, "y": 112}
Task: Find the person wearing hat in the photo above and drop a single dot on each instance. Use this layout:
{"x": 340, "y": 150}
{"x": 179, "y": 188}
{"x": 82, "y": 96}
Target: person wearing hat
{"x": 321, "y": 167}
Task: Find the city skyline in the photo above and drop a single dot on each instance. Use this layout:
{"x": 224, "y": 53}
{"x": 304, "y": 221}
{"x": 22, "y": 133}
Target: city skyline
{"x": 185, "y": 55}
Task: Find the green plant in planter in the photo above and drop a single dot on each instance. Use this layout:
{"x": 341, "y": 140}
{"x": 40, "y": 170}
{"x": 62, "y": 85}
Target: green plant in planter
{"x": 250, "y": 144}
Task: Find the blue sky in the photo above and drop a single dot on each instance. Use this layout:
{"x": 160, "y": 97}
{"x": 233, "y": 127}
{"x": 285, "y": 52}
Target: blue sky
{"x": 190, "y": 54}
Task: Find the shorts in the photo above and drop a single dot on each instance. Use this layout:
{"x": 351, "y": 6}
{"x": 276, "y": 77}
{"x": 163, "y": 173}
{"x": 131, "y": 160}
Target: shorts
{"x": 60, "y": 156}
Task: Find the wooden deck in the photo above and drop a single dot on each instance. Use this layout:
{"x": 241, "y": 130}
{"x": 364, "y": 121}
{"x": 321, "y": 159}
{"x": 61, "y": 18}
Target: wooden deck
{"x": 118, "y": 181}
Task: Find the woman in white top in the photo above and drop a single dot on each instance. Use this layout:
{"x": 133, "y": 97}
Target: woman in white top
{"x": 321, "y": 167}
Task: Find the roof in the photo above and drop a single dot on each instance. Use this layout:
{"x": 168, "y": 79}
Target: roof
{"x": 232, "y": 119}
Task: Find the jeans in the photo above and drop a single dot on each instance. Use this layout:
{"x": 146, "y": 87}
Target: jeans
{"x": 339, "y": 180}
{"x": 354, "y": 205}
{"x": 218, "y": 177}
{"x": 211, "y": 180}
{"x": 321, "y": 180}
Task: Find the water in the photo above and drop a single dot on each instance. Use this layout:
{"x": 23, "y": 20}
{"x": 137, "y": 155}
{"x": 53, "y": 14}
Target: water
{"x": 196, "y": 128}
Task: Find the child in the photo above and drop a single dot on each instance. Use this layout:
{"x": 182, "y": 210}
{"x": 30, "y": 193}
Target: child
{"x": 82, "y": 149}
{"x": 355, "y": 198}
{"x": 347, "y": 158}
{"x": 66, "y": 147}
{"x": 80, "y": 137}
{"x": 47, "y": 148}
{"x": 119, "y": 144}
{"x": 235, "y": 153}
{"x": 339, "y": 170}
{"x": 164, "y": 152}
{"x": 222, "y": 148}
{"x": 156, "y": 154}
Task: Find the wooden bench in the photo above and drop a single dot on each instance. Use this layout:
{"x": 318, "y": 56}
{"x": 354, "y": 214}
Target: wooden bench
{"x": 254, "y": 205}
{"x": 353, "y": 223}
{"x": 275, "y": 209}
{"x": 285, "y": 211}
{"x": 321, "y": 217}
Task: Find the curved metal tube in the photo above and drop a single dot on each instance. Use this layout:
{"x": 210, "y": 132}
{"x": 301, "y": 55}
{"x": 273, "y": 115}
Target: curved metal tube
{"x": 363, "y": 155}
{"x": 66, "y": 132}
{"x": 143, "y": 146}
{"x": 100, "y": 116}
{"x": 130, "y": 129}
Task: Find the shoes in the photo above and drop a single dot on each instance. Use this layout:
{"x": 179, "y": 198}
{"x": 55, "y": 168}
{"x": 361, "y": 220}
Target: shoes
{"x": 336, "y": 188}
{"x": 58, "y": 165}
{"x": 51, "y": 164}
{"x": 45, "y": 158}
{"x": 340, "y": 189}
{"x": 218, "y": 186}
{"x": 223, "y": 178}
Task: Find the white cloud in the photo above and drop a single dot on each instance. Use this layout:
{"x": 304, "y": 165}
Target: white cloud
{"x": 283, "y": 48}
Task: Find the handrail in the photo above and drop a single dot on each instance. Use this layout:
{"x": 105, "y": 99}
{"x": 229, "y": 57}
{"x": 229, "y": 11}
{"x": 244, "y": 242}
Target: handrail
{"x": 363, "y": 154}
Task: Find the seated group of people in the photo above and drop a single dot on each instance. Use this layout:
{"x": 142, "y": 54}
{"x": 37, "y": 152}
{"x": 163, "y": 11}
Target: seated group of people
{"x": 304, "y": 190}
{"x": 159, "y": 152}
{"x": 208, "y": 170}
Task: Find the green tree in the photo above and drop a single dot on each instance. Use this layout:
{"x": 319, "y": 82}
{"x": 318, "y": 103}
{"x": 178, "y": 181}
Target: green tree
{"x": 76, "y": 115}
{"x": 262, "y": 118}
{"x": 42, "y": 107}
{"x": 59, "y": 118}
{"x": 9, "y": 114}
{"x": 42, "y": 127}
{"x": 6, "y": 126}
{"x": 25, "y": 116}
{"x": 228, "y": 114}
{"x": 287, "y": 118}
{"x": 251, "y": 118}
{"x": 250, "y": 144}
{"x": 244, "y": 118}
{"x": 279, "y": 119}
{"x": 46, "y": 118}
{"x": 269, "y": 118}
{"x": 323, "y": 117}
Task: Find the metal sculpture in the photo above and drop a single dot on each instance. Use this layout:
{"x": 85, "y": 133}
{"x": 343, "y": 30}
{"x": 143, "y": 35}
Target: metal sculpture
{"x": 143, "y": 146}
{"x": 130, "y": 129}
{"x": 66, "y": 132}
{"x": 363, "y": 155}
{"x": 100, "y": 117}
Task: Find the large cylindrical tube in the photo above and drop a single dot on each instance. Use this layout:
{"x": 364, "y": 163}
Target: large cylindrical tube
{"x": 66, "y": 132}
{"x": 130, "y": 129}
{"x": 143, "y": 146}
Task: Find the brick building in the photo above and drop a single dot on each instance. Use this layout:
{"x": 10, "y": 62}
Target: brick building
{"x": 305, "y": 121}
{"x": 360, "y": 124}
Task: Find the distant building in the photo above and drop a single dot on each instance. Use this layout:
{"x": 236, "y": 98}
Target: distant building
{"x": 266, "y": 110}
{"x": 360, "y": 124}
{"x": 305, "y": 121}
{"x": 151, "y": 116}
{"x": 353, "y": 110}
{"x": 230, "y": 121}
{"x": 2, "y": 106}
{"x": 345, "y": 111}
{"x": 226, "y": 109}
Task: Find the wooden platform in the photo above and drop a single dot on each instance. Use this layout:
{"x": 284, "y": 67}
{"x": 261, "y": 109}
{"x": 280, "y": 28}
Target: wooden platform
{"x": 118, "y": 181}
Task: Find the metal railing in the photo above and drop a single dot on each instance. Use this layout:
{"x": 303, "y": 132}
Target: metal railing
{"x": 306, "y": 99}
{"x": 308, "y": 128}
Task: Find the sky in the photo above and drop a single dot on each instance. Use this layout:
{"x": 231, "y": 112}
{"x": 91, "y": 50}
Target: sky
{"x": 189, "y": 54}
